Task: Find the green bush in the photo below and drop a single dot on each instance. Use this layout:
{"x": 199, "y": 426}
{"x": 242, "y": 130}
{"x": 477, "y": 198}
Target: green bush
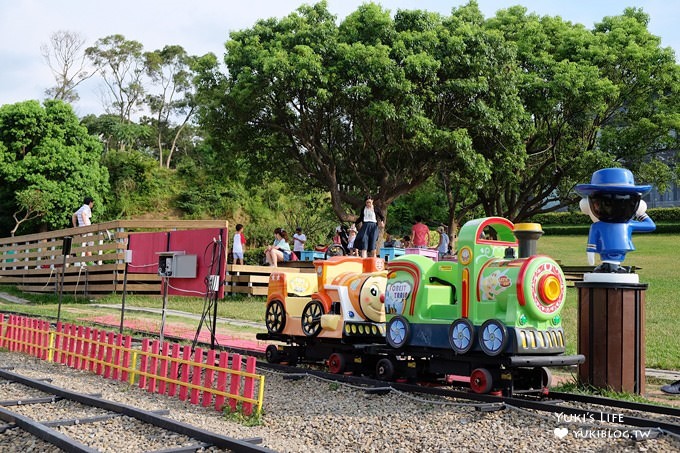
{"x": 254, "y": 256}
{"x": 659, "y": 215}
{"x": 669, "y": 215}
{"x": 573, "y": 230}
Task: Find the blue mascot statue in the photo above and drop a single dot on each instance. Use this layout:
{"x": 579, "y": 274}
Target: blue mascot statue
{"x": 614, "y": 204}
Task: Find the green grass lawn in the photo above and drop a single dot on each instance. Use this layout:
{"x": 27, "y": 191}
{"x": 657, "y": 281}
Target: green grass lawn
{"x": 659, "y": 266}
{"x": 655, "y": 256}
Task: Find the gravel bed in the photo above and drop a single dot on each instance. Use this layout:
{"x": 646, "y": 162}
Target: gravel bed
{"x": 311, "y": 415}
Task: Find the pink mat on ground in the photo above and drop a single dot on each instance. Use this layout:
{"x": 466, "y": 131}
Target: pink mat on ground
{"x": 179, "y": 331}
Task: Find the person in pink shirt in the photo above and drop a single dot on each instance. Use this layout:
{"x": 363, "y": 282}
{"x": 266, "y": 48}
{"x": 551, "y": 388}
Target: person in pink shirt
{"x": 420, "y": 234}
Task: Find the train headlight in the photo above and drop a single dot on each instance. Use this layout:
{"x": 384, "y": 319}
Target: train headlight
{"x": 354, "y": 328}
{"x": 347, "y": 328}
{"x": 522, "y": 319}
{"x": 549, "y": 289}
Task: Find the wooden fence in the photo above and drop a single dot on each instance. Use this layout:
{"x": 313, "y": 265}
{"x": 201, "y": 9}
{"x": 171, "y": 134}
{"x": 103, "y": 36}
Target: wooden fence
{"x": 165, "y": 368}
{"x": 34, "y": 262}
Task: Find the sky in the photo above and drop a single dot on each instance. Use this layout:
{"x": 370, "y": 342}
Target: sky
{"x": 203, "y": 26}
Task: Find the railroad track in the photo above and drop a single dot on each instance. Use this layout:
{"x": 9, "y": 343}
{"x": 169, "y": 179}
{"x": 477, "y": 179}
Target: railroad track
{"x": 649, "y": 420}
{"x": 592, "y": 408}
{"x": 577, "y": 409}
{"x": 27, "y": 404}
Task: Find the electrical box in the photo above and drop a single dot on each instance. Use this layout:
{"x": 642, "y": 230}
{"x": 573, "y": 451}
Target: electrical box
{"x": 176, "y": 265}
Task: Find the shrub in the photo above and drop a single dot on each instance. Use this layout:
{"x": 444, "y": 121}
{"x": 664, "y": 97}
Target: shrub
{"x": 659, "y": 215}
{"x": 582, "y": 230}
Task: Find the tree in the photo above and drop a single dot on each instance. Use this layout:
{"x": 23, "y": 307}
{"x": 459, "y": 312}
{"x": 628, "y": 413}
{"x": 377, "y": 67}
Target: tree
{"x": 596, "y": 98}
{"x": 375, "y": 104}
{"x": 33, "y": 203}
{"x": 66, "y": 58}
{"x": 121, "y": 64}
{"x": 170, "y": 69}
{"x": 44, "y": 149}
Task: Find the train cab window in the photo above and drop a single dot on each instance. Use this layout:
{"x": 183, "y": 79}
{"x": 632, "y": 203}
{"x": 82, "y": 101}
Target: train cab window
{"x": 335, "y": 308}
{"x": 489, "y": 233}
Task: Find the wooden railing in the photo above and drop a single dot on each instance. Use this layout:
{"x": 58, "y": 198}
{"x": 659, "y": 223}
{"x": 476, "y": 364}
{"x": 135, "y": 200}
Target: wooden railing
{"x": 34, "y": 262}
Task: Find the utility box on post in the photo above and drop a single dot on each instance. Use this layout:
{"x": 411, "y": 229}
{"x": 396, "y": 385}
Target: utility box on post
{"x": 611, "y": 335}
{"x": 176, "y": 265}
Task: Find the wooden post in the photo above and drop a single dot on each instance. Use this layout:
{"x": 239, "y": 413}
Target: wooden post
{"x": 196, "y": 374}
{"x": 208, "y": 380}
{"x": 611, "y": 335}
{"x": 221, "y": 380}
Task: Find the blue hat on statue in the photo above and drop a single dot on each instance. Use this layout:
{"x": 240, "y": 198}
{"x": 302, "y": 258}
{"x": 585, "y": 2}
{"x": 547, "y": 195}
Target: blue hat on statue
{"x": 612, "y": 180}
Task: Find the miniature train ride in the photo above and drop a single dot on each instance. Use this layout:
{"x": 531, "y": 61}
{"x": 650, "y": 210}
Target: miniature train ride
{"x": 491, "y": 318}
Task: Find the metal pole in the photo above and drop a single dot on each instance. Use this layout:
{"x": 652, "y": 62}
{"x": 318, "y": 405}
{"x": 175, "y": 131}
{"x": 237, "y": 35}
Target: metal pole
{"x": 66, "y": 251}
{"x": 165, "y": 303}
{"x": 216, "y": 292}
{"x": 122, "y": 304}
{"x": 61, "y": 288}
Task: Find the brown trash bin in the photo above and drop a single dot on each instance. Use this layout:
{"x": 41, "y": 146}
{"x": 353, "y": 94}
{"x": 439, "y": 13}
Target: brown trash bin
{"x": 611, "y": 335}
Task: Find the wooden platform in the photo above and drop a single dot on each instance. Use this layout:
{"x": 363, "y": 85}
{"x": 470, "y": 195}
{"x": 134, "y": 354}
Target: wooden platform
{"x": 34, "y": 262}
{"x": 253, "y": 280}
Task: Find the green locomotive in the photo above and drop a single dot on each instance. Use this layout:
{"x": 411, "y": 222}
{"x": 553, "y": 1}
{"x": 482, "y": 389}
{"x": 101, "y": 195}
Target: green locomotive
{"x": 499, "y": 297}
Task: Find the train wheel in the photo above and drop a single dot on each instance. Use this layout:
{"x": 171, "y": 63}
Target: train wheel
{"x": 272, "y": 354}
{"x": 461, "y": 335}
{"x": 334, "y": 250}
{"x": 493, "y": 337}
{"x": 337, "y": 363}
{"x": 545, "y": 376}
{"x": 311, "y": 318}
{"x": 481, "y": 380}
{"x": 275, "y": 317}
{"x": 292, "y": 357}
{"x": 384, "y": 369}
{"x": 398, "y": 332}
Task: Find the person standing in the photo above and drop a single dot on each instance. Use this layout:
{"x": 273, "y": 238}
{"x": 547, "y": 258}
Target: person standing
{"x": 299, "y": 240}
{"x": 83, "y": 217}
{"x": 351, "y": 246}
{"x": 420, "y": 234}
{"x": 370, "y": 219}
{"x": 443, "y": 246}
{"x": 239, "y": 245}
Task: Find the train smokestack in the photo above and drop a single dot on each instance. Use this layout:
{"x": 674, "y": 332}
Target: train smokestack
{"x": 527, "y": 235}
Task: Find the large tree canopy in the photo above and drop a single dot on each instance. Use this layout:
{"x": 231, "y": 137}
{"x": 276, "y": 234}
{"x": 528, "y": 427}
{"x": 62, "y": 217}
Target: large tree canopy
{"x": 44, "y": 151}
{"x": 596, "y": 98}
{"x": 511, "y": 112}
{"x": 375, "y": 104}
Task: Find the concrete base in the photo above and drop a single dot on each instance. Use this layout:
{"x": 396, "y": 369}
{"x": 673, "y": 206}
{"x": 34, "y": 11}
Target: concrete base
{"x": 604, "y": 277}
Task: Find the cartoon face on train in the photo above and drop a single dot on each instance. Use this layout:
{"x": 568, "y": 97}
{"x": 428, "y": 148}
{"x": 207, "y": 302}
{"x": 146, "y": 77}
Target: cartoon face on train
{"x": 344, "y": 298}
{"x": 367, "y": 294}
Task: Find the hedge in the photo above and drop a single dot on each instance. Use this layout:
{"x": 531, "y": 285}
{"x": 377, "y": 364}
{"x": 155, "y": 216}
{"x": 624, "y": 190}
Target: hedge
{"x": 567, "y": 230}
{"x": 659, "y": 215}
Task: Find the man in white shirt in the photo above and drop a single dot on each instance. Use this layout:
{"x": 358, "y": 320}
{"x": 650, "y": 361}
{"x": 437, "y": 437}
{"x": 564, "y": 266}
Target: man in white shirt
{"x": 299, "y": 240}
{"x": 83, "y": 217}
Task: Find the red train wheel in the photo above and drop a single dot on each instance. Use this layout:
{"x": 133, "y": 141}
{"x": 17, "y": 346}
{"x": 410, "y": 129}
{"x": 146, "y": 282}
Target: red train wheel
{"x": 481, "y": 380}
{"x": 337, "y": 363}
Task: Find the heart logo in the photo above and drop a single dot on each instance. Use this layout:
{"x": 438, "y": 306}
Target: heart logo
{"x": 561, "y": 432}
